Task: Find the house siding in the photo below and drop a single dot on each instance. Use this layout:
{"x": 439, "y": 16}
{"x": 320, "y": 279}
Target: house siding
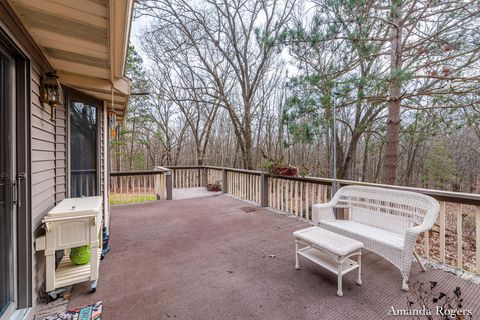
{"x": 49, "y": 154}
{"x": 48, "y": 174}
{"x": 48, "y": 169}
{"x": 42, "y": 172}
{"x": 45, "y": 174}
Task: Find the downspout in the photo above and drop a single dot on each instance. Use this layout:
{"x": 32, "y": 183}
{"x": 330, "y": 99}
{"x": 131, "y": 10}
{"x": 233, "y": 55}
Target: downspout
{"x": 106, "y": 123}
{"x": 106, "y": 160}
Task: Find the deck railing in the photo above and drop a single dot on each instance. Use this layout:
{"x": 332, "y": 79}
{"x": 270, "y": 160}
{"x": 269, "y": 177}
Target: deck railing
{"x": 188, "y": 177}
{"x": 454, "y": 240}
{"x": 129, "y": 187}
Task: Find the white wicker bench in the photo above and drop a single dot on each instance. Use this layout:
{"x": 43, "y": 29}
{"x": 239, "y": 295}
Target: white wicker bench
{"x": 330, "y": 250}
{"x": 386, "y": 221}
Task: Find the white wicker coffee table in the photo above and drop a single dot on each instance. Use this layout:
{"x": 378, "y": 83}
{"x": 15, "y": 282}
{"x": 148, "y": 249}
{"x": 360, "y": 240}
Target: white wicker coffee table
{"x": 330, "y": 250}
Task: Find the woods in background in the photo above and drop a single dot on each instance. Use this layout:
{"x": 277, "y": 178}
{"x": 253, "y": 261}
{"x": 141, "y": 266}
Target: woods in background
{"x": 239, "y": 83}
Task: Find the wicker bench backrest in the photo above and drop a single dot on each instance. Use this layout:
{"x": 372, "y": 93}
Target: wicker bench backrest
{"x": 388, "y": 209}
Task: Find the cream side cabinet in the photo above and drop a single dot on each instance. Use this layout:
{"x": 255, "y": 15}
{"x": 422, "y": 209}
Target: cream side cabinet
{"x": 74, "y": 222}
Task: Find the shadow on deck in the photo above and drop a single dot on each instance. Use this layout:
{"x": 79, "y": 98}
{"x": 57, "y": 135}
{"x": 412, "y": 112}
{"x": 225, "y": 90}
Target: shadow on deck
{"x": 210, "y": 258}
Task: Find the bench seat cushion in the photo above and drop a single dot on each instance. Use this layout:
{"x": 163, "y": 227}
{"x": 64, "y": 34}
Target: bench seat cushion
{"x": 371, "y": 237}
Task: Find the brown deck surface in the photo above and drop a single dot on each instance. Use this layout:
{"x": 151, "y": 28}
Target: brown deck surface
{"x": 209, "y": 258}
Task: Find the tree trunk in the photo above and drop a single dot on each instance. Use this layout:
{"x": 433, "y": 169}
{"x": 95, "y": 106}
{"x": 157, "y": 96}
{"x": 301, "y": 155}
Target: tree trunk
{"x": 412, "y": 155}
{"x": 247, "y": 138}
{"x": 393, "y": 120}
{"x": 377, "y": 170}
{"x": 340, "y": 158}
{"x": 117, "y": 149}
{"x": 132, "y": 141}
{"x": 248, "y": 163}
{"x": 200, "y": 155}
{"x": 365, "y": 158}
{"x": 344, "y": 170}
{"x": 329, "y": 141}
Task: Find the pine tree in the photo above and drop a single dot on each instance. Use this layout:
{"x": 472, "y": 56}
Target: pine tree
{"x": 441, "y": 170}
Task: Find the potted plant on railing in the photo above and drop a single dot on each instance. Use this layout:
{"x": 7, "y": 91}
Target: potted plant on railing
{"x": 215, "y": 187}
{"x": 279, "y": 168}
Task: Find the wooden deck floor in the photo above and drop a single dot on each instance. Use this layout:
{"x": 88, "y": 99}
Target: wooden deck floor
{"x": 187, "y": 193}
{"x": 221, "y": 258}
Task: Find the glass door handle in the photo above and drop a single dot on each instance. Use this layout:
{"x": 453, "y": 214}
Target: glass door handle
{"x": 4, "y": 177}
{"x": 18, "y": 188}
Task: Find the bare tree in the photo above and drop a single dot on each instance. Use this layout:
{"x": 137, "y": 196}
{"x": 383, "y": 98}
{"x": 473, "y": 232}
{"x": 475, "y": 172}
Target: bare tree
{"x": 233, "y": 43}
{"x": 220, "y": 93}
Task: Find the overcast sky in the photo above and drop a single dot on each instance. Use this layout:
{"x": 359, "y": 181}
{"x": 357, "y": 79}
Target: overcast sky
{"x": 137, "y": 26}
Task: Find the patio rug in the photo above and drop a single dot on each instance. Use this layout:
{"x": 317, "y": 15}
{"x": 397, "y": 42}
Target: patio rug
{"x": 89, "y": 312}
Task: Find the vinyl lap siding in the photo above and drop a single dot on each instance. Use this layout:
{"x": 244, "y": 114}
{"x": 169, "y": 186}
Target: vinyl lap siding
{"x": 48, "y": 155}
{"x": 49, "y": 166}
{"x": 42, "y": 172}
{"x": 43, "y": 154}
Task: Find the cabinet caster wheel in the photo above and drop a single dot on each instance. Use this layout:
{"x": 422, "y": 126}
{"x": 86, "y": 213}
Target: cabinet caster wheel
{"x": 93, "y": 288}
{"x": 55, "y": 294}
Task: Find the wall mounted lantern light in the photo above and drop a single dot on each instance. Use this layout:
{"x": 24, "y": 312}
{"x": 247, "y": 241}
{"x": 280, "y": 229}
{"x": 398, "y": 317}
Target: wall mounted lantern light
{"x": 52, "y": 92}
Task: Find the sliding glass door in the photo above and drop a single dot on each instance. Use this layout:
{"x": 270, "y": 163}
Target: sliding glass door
{"x": 83, "y": 148}
{"x": 7, "y": 184}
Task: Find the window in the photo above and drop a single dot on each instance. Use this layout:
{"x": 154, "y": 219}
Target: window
{"x": 83, "y": 148}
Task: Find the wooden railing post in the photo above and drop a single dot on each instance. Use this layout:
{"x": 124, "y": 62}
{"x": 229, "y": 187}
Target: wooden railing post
{"x": 169, "y": 184}
{"x": 224, "y": 181}
{"x": 460, "y": 237}
{"x": 205, "y": 176}
{"x": 339, "y": 213}
{"x": 159, "y": 182}
{"x": 263, "y": 190}
{"x": 477, "y": 241}
{"x": 157, "y": 186}
{"x": 442, "y": 231}
{"x": 335, "y": 187}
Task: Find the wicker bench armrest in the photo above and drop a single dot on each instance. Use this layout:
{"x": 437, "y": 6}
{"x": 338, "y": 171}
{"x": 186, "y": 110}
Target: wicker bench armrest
{"x": 419, "y": 229}
{"x": 323, "y": 212}
{"x": 409, "y": 245}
